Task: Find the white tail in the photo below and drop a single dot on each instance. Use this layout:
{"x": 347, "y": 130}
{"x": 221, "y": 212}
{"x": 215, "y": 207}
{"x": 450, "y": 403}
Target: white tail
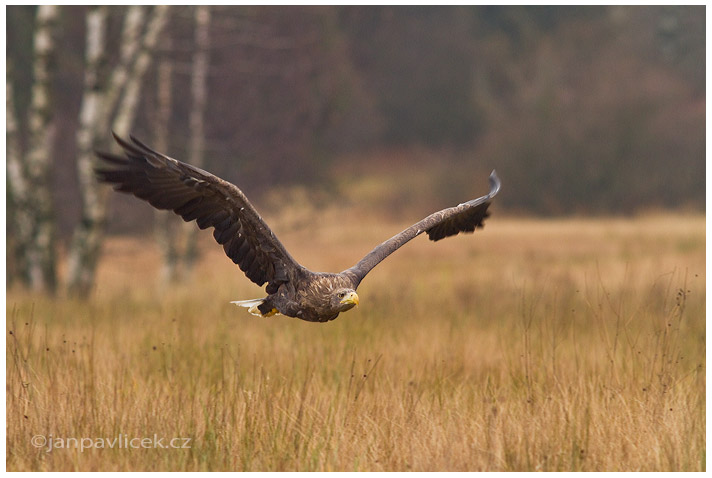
{"x": 252, "y": 305}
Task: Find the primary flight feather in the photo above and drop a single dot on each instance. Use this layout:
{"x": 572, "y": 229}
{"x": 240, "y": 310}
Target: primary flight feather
{"x": 293, "y": 290}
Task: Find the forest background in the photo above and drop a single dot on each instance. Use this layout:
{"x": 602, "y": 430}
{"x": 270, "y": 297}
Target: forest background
{"x": 582, "y": 110}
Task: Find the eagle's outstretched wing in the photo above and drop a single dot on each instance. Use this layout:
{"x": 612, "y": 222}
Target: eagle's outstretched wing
{"x": 465, "y": 217}
{"x": 197, "y": 195}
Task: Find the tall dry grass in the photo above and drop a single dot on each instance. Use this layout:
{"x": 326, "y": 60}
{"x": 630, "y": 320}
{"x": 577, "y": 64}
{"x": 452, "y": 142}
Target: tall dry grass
{"x": 534, "y": 345}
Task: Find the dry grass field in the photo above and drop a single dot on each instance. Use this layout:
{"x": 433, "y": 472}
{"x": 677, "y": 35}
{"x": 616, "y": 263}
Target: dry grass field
{"x": 548, "y": 345}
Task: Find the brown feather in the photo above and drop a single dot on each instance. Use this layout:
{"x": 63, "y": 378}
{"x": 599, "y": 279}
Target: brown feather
{"x": 197, "y": 195}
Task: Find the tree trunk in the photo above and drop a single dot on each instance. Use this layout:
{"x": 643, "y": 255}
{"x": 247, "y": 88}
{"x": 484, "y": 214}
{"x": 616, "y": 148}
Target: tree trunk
{"x": 128, "y": 106}
{"x": 19, "y": 218}
{"x": 167, "y": 224}
{"x": 90, "y": 115}
{"x": 95, "y": 118}
{"x": 31, "y": 179}
{"x": 199, "y": 92}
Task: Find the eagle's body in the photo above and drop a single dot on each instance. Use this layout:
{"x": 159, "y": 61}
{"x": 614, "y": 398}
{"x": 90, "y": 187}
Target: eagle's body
{"x": 311, "y": 297}
{"x": 292, "y": 289}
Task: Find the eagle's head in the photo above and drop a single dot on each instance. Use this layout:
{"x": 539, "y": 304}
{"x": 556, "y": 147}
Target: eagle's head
{"x": 344, "y": 299}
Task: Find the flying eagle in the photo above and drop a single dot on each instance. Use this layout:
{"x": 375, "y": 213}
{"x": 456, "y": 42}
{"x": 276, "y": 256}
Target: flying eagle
{"x": 293, "y": 290}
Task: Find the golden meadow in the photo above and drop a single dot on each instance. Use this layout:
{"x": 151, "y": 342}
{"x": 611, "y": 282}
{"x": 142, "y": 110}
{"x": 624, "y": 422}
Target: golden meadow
{"x": 533, "y": 345}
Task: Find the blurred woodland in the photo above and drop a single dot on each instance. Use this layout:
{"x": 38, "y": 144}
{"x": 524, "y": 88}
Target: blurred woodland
{"x": 582, "y": 110}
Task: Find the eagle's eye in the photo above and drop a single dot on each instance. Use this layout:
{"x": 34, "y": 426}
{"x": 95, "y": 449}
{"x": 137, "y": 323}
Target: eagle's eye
{"x": 341, "y": 295}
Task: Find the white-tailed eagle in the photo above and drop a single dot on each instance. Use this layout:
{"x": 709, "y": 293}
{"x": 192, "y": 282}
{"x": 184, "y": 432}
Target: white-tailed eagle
{"x": 293, "y": 290}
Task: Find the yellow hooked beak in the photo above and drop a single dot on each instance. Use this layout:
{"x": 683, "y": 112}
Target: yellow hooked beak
{"x": 350, "y": 298}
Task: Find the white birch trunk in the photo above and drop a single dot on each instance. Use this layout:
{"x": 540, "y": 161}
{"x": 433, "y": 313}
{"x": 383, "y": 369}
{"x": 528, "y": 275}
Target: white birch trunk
{"x": 124, "y": 86}
{"x": 127, "y": 108}
{"x": 199, "y": 92}
{"x": 40, "y": 250}
{"x": 17, "y": 190}
{"x": 93, "y": 109}
{"x": 120, "y": 75}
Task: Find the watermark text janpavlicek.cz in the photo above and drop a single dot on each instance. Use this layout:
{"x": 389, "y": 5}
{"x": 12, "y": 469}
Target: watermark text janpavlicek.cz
{"x": 125, "y": 442}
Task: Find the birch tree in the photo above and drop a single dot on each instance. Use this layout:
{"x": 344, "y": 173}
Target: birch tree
{"x": 92, "y": 110}
{"x": 19, "y": 217}
{"x": 101, "y": 108}
{"x": 166, "y": 222}
{"x": 199, "y": 93}
{"x": 178, "y": 240}
{"x": 29, "y": 176}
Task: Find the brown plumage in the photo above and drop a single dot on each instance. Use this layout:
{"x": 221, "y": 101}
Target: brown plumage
{"x": 293, "y": 290}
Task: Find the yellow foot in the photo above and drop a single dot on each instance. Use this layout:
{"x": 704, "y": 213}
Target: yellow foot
{"x": 254, "y": 310}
